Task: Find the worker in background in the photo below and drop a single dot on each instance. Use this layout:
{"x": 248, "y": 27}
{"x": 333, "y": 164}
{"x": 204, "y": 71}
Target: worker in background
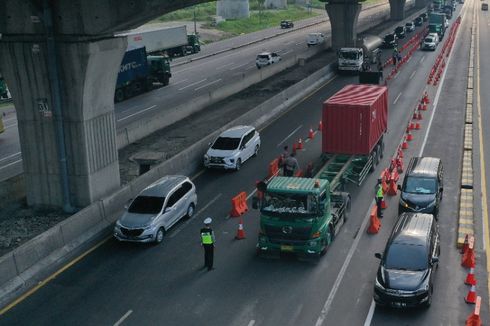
{"x": 379, "y": 198}
{"x": 290, "y": 165}
{"x": 283, "y": 156}
{"x": 208, "y": 241}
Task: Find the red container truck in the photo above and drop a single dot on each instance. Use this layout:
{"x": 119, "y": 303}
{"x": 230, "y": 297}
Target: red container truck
{"x": 355, "y": 119}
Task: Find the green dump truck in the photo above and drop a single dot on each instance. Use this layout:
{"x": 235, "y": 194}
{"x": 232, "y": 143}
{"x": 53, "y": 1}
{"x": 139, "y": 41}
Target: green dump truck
{"x": 437, "y": 23}
{"x": 303, "y": 215}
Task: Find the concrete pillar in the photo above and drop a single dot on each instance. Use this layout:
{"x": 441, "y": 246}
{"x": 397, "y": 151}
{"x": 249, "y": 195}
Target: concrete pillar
{"x": 233, "y": 9}
{"x": 343, "y": 21}
{"x": 397, "y": 9}
{"x": 276, "y": 4}
{"x": 87, "y": 71}
{"x": 419, "y": 4}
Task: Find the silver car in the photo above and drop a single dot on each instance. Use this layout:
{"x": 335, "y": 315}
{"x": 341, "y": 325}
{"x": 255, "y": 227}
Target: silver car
{"x": 233, "y": 147}
{"x": 156, "y": 209}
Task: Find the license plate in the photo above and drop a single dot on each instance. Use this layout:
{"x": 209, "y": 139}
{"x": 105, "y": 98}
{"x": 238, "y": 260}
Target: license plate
{"x": 399, "y": 304}
{"x": 286, "y": 248}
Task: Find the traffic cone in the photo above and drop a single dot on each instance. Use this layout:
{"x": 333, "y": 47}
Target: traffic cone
{"x": 465, "y": 244}
{"x": 240, "y": 233}
{"x": 409, "y": 135}
{"x": 468, "y": 260}
{"x": 426, "y": 98}
{"x": 383, "y": 204}
{"x": 419, "y": 115}
{"x": 400, "y": 153}
{"x": 311, "y": 134}
{"x": 417, "y": 126}
{"x": 320, "y": 126}
{"x": 300, "y": 144}
{"x": 414, "y": 115}
{"x": 295, "y": 147}
{"x": 411, "y": 125}
{"x": 375, "y": 223}
{"x": 404, "y": 144}
{"x": 471, "y": 296}
{"x": 470, "y": 277}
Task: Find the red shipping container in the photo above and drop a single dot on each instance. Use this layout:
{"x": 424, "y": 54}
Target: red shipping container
{"x": 354, "y": 119}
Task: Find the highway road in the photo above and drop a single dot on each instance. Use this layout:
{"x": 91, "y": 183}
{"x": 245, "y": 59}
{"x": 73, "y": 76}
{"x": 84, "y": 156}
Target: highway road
{"x": 192, "y": 79}
{"x": 127, "y": 284}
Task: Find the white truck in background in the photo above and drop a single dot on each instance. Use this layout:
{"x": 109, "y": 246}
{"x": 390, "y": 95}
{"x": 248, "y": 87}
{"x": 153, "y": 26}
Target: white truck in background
{"x": 352, "y": 59}
{"x": 315, "y": 39}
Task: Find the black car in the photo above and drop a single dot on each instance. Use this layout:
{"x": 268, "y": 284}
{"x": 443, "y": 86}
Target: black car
{"x": 389, "y": 41}
{"x": 405, "y": 276}
{"x": 418, "y": 21}
{"x": 424, "y": 17}
{"x": 400, "y": 31}
{"x": 287, "y": 24}
{"x": 422, "y": 187}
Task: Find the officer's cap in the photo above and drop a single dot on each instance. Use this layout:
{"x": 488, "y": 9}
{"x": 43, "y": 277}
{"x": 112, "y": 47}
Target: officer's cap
{"x": 208, "y": 220}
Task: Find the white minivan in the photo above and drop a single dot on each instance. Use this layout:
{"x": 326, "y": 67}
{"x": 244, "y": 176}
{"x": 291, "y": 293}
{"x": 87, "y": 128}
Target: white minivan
{"x": 266, "y": 58}
{"x": 315, "y": 38}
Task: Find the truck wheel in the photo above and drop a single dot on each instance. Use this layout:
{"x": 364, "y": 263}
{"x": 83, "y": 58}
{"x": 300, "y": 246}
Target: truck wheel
{"x": 128, "y": 92}
{"x": 119, "y": 96}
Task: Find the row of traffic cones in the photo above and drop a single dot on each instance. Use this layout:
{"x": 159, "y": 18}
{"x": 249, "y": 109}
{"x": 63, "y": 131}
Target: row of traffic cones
{"x": 468, "y": 261}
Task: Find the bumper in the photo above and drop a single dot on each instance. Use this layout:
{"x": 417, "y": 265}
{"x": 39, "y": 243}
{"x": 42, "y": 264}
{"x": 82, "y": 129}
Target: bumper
{"x": 427, "y": 210}
{"x": 349, "y": 68}
{"x": 298, "y": 247}
{"x": 399, "y": 301}
{"x": 146, "y": 236}
{"x": 225, "y": 166}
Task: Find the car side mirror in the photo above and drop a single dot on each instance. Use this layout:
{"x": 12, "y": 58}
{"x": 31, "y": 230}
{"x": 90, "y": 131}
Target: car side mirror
{"x": 378, "y": 255}
{"x": 255, "y": 203}
{"x": 434, "y": 260}
{"x": 399, "y": 187}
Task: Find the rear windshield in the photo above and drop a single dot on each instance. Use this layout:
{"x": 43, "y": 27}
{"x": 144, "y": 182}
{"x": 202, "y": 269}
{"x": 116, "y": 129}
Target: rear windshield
{"x": 146, "y": 205}
{"x": 408, "y": 24}
{"x": 406, "y": 256}
{"x": 226, "y": 143}
{"x": 429, "y": 39}
{"x": 263, "y": 56}
{"x": 420, "y": 185}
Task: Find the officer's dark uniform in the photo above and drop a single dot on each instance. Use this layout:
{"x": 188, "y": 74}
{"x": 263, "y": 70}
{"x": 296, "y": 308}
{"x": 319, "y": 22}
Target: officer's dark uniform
{"x": 207, "y": 240}
{"x": 379, "y": 199}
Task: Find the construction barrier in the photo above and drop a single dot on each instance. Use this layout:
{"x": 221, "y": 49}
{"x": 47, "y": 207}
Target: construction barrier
{"x": 474, "y": 318}
{"x": 273, "y": 168}
{"x": 375, "y": 223}
{"x": 468, "y": 259}
{"x": 239, "y": 205}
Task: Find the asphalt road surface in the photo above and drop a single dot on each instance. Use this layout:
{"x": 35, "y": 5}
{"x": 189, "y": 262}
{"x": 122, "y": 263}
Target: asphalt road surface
{"x": 127, "y": 284}
{"x": 195, "y": 78}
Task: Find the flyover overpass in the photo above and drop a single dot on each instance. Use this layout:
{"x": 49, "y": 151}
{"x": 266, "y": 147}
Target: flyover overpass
{"x": 60, "y": 61}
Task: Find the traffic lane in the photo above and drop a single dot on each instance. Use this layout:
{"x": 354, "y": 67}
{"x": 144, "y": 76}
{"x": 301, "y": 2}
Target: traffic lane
{"x": 10, "y": 156}
{"x": 446, "y": 132}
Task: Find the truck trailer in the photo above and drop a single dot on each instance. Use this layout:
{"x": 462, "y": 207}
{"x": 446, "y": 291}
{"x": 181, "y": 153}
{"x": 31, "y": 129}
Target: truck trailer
{"x": 139, "y": 71}
{"x": 437, "y": 23}
{"x": 352, "y": 59}
{"x": 174, "y": 41}
{"x": 303, "y": 215}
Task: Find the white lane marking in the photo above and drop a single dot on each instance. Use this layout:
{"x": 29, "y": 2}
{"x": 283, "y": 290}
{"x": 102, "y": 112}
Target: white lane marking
{"x": 208, "y": 84}
{"x": 396, "y": 99}
{"x": 287, "y": 137}
{"x": 7, "y": 157}
{"x": 226, "y": 65}
{"x": 251, "y": 323}
{"x": 126, "y": 315}
{"x": 340, "y": 276}
{"x": 6, "y": 166}
{"x": 370, "y": 315}
{"x": 193, "y": 84}
{"x": 422, "y": 59}
{"x": 288, "y": 42}
{"x": 299, "y": 43}
{"x": 287, "y": 52}
{"x": 413, "y": 74}
{"x": 236, "y": 67}
{"x": 195, "y": 215}
{"x": 180, "y": 82}
{"x": 139, "y": 112}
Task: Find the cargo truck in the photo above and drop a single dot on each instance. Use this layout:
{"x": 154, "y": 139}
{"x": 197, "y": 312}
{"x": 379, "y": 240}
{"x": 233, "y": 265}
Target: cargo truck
{"x": 437, "y": 23}
{"x": 174, "y": 41}
{"x": 303, "y": 215}
{"x": 352, "y": 59}
{"x": 139, "y": 71}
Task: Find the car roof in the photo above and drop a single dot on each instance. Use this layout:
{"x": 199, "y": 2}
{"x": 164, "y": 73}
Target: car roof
{"x": 412, "y": 228}
{"x": 236, "y": 132}
{"x": 163, "y": 186}
{"x": 264, "y": 53}
{"x": 423, "y": 166}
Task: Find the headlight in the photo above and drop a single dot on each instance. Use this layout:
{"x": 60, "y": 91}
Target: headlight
{"x": 232, "y": 160}
{"x": 206, "y": 157}
{"x": 404, "y": 203}
{"x": 262, "y": 238}
{"x": 423, "y": 289}
{"x": 118, "y": 225}
{"x": 378, "y": 285}
{"x": 149, "y": 227}
{"x": 432, "y": 203}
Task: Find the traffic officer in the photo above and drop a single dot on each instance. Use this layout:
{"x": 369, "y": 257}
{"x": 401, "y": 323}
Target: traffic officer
{"x": 207, "y": 241}
{"x": 379, "y": 198}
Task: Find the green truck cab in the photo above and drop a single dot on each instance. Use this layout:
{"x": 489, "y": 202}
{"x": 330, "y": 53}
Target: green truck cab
{"x": 193, "y": 44}
{"x": 300, "y": 216}
{"x": 437, "y": 25}
{"x": 159, "y": 68}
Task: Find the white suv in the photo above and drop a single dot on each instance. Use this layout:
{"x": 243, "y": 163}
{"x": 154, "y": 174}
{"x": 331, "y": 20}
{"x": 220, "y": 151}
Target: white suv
{"x": 232, "y": 148}
{"x": 266, "y": 58}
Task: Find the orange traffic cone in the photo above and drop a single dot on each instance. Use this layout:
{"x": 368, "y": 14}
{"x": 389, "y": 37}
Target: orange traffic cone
{"x": 414, "y": 115}
{"x": 468, "y": 259}
{"x": 383, "y": 204}
{"x": 474, "y": 319}
{"x": 465, "y": 244}
{"x": 404, "y": 144}
{"x": 419, "y": 115}
{"x": 320, "y": 126}
{"x": 375, "y": 224}
{"x": 470, "y": 277}
{"x": 409, "y": 135}
{"x": 471, "y": 296}
{"x": 411, "y": 125}
{"x": 300, "y": 144}
{"x": 240, "y": 233}
{"x": 311, "y": 134}
{"x": 295, "y": 147}
{"x": 426, "y": 98}
{"x": 400, "y": 153}
{"x": 417, "y": 126}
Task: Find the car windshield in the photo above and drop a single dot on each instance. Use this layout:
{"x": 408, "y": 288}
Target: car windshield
{"x": 263, "y": 56}
{"x": 146, "y": 205}
{"x": 349, "y": 55}
{"x": 408, "y": 24}
{"x": 406, "y": 256}
{"x": 290, "y": 205}
{"x": 226, "y": 143}
{"x": 420, "y": 185}
{"x": 429, "y": 40}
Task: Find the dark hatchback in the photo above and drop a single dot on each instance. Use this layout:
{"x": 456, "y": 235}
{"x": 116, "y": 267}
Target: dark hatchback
{"x": 406, "y": 272}
{"x": 287, "y": 24}
{"x": 418, "y": 21}
{"x": 389, "y": 41}
{"x": 400, "y": 31}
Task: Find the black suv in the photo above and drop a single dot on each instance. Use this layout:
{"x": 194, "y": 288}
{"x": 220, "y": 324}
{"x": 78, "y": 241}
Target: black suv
{"x": 287, "y": 24}
{"x": 389, "y": 41}
{"x": 406, "y": 272}
{"x": 418, "y": 21}
{"x": 422, "y": 187}
{"x": 400, "y": 31}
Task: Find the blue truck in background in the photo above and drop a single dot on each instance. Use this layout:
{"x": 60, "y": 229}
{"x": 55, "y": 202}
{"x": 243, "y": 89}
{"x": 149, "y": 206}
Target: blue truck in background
{"x": 139, "y": 72}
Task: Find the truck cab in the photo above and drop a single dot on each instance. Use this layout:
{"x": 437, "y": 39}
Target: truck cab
{"x": 300, "y": 216}
{"x": 350, "y": 59}
{"x": 193, "y": 44}
{"x": 160, "y": 68}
